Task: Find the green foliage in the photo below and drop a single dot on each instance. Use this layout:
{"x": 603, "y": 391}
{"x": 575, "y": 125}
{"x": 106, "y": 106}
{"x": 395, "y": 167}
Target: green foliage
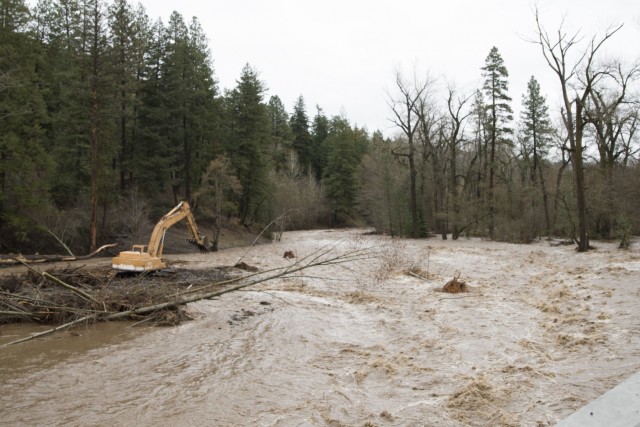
{"x": 496, "y": 86}
{"x": 129, "y": 36}
{"x": 343, "y": 157}
{"x": 498, "y": 114}
{"x": 24, "y": 164}
{"x": 247, "y": 142}
{"x": 189, "y": 108}
{"x": 281, "y": 135}
{"x": 301, "y": 135}
{"x": 101, "y": 110}
{"x": 537, "y": 132}
{"x": 318, "y": 148}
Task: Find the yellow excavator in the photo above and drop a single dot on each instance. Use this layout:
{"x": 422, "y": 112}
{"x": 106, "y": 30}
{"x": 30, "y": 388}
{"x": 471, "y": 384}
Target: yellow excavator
{"x": 140, "y": 260}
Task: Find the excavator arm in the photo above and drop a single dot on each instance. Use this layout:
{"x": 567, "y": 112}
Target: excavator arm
{"x": 175, "y": 215}
{"x": 139, "y": 259}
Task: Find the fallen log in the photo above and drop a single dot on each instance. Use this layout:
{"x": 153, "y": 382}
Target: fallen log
{"x": 321, "y": 257}
{"x": 57, "y": 281}
{"x": 13, "y": 259}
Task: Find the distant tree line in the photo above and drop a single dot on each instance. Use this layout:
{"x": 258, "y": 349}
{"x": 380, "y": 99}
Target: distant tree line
{"x": 108, "y": 119}
{"x": 473, "y": 169}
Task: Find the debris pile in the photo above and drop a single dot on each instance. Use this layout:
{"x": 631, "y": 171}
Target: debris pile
{"x": 62, "y": 295}
{"x": 455, "y": 286}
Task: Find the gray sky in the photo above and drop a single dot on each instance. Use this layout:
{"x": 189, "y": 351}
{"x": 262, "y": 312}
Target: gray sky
{"x": 342, "y": 54}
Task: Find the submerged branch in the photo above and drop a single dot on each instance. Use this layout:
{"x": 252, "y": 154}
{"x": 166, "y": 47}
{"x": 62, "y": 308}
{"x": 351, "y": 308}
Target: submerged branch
{"x": 324, "y": 256}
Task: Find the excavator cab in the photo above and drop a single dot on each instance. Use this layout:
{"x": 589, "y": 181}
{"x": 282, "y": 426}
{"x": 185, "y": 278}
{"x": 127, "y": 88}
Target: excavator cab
{"x": 143, "y": 258}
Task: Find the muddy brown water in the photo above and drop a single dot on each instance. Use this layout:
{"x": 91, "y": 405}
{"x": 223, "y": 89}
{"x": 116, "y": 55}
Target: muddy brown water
{"x": 543, "y": 331}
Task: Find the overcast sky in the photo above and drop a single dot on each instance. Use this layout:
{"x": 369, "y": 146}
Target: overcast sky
{"x": 342, "y": 54}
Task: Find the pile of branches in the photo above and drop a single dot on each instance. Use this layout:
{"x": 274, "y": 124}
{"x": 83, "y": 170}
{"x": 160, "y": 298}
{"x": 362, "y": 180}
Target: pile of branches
{"x": 62, "y": 295}
{"x": 75, "y": 296}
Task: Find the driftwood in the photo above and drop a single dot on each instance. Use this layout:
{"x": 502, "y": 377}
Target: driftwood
{"x": 455, "y": 286}
{"x": 12, "y": 259}
{"x": 321, "y": 257}
{"x": 59, "y": 282}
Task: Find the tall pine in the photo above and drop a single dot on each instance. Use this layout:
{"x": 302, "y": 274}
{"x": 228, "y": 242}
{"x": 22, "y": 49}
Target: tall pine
{"x": 247, "y": 142}
{"x": 320, "y": 131}
{"x": 301, "y": 135}
{"x": 340, "y": 179}
{"x": 499, "y": 115}
{"x": 188, "y": 98}
{"x": 536, "y": 137}
{"x": 129, "y": 37}
{"x": 24, "y": 164}
{"x": 281, "y": 136}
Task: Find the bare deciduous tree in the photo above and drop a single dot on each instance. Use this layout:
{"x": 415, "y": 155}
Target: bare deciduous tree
{"x": 403, "y": 105}
{"x": 457, "y": 116}
{"x": 577, "y": 82}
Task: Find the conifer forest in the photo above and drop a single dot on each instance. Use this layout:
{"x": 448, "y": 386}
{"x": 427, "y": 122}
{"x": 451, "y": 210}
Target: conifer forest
{"x": 108, "y": 118}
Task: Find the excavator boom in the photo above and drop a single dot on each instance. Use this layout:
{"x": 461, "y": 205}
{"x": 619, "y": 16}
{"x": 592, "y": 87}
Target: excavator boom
{"x": 149, "y": 258}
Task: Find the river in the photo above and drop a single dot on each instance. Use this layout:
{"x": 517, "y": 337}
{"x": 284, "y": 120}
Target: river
{"x": 542, "y": 331}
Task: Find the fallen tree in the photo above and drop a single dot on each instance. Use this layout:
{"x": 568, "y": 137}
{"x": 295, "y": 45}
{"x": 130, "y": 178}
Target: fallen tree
{"x": 13, "y": 259}
{"x": 96, "y": 303}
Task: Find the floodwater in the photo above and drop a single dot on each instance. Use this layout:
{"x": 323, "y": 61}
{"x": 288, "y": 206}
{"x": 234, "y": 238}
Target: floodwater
{"x": 543, "y": 331}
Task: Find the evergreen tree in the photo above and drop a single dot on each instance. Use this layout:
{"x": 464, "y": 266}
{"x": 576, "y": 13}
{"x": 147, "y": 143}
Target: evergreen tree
{"x": 301, "y": 135}
{"x": 188, "y": 103}
{"x": 129, "y": 35}
{"x": 537, "y": 130}
{"x": 24, "y": 164}
{"x": 340, "y": 178}
{"x": 499, "y": 114}
{"x": 99, "y": 102}
{"x": 174, "y": 84}
{"x": 74, "y": 37}
{"x": 204, "y": 106}
{"x": 247, "y": 141}
{"x": 61, "y": 32}
{"x": 150, "y": 154}
{"x": 281, "y": 136}
{"x": 318, "y": 149}
{"x": 536, "y": 138}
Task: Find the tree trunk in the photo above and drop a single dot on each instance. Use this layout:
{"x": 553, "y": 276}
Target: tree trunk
{"x": 578, "y": 173}
{"x": 94, "y": 172}
{"x": 414, "y": 196}
{"x": 545, "y": 201}
{"x": 492, "y": 158}
{"x": 187, "y": 161}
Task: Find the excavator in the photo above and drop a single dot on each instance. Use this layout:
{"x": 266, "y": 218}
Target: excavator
{"x": 140, "y": 260}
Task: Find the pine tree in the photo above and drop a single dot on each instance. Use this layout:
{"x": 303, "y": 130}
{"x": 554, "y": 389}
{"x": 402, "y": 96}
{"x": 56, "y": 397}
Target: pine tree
{"x": 537, "y": 129}
{"x": 499, "y": 114}
{"x": 129, "y": 36}
{"x": 301, "y": 135}
{"x": 24, "y": 164}
{"x": 319, "y": 134}
{"x": 189, "y": 103}
{"x": 100, "y": 103}
{"x": 174, "y": 84}
{"x": 247, "y": 142}
{"x": 78, "y": 72}
{"x": 281, "y": 135}
{"x": 60, "y": 26}
{"x": 150, "y": 154}
{"x": 536, "y": 138}
{"x": 340, "y": 178}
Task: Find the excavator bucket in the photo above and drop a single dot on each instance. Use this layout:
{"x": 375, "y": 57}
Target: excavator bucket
{"x": 203, "y": 245}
